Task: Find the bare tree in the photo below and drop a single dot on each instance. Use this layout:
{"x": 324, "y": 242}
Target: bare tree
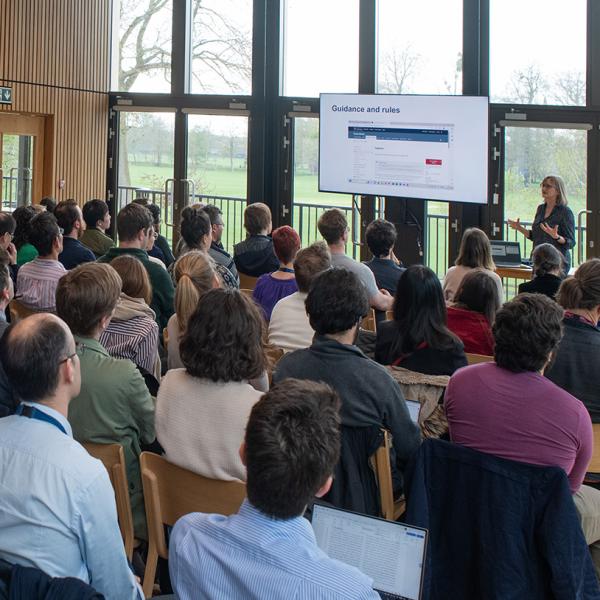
{"x": 222, "y": 49}
{"x": 398, "y": 67}
{"x": 527, "y": 85}
{"x": 570, "y": 89}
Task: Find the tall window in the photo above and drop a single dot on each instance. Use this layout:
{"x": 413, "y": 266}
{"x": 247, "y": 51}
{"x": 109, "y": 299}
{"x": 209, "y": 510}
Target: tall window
{"x": 538, "y": 51}
{"x": 320, "y": 46}
{"x": 142, "y": 34}
{"x": 222, "y": 47}
{"x": 419, "y": 47}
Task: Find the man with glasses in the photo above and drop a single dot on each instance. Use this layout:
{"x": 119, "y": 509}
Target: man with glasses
{"x": 37, "y": 279}
{"x": 135, "y": 227}
{"x": 216, "y": 251}
{"x": 57, "y": 506}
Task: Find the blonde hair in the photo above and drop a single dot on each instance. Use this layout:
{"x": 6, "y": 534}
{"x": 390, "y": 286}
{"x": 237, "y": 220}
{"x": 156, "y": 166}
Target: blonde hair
{"x": 475, "y": 250}
{"x": 582, "y": 290}
{"x": 194, "y": 275}
{"x": 560, "y": 186}
{"x": 136, "y": 283}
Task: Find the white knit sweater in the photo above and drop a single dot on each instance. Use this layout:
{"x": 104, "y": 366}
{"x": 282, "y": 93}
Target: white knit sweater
{"x": 201, "y": 424}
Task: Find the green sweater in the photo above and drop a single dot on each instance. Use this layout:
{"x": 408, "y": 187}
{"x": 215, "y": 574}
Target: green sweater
{"x": 163, "y": 292}
{"x": 114, "y": 406}
{"x": 96, "y": 241}
{"x": 26, "y": 253}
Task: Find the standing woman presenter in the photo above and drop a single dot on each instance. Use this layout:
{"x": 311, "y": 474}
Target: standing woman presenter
{"x": 554, "y": 222}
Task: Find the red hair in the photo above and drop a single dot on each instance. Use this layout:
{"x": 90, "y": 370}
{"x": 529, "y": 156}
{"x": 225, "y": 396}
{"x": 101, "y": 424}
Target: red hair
{"x": 286, "y": 242}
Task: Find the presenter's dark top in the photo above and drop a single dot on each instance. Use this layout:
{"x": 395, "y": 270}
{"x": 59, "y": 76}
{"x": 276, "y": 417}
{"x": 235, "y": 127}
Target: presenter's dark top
{"x": 544, "y": 284}
{"x": 562, "y": 216}
{"x": 74, "y": 253}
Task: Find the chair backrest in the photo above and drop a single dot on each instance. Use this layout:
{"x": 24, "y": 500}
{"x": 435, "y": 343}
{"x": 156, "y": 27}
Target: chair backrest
{"x": 595, "y": 462}
{"x": 389, "y": 315}
{"x": 247, "y": 292}
{"x": 383, "y": 473}
{"x": 474, "y": 359}
{"x": 247, "y": 282}
{"x": 369, "y": 323}
{"x": 19, "y": 311}
{"x": 113, "y": 458}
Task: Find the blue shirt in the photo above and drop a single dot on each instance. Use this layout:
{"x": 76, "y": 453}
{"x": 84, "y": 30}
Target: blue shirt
{"x": 57, "y": 507}
{"x": 251, "y": 556}
{"x": 74, "y": 253}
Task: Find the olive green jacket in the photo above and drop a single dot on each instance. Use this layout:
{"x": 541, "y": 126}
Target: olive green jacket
{"x": 114, "y": 406}
{"x": 98, "y": 242}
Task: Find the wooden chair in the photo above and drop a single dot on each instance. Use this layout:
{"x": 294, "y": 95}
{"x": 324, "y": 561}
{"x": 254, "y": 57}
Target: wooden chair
{"x": 171, "y": 492}
{"x": 274, "y": 355}
{"x": 594, "y": 466}
{"x": 19, "y": 311}
{"x": 389, "y": 315}
{"x": 165, "y": 338}
{"x": 247, "y": 282}
{"x": 247, "y": 292}
{"x": 474, "y": 359}
{"x": 390, "y": 509}
{"x": 369, "y": 323}
{"x": 113, "y": 458}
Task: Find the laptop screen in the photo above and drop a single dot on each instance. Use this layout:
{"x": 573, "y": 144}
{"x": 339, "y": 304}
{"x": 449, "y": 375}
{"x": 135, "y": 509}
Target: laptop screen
{"x": 413, "y": 408}
{"x": 506, "y": 252}
{"x": 391, "y": 553}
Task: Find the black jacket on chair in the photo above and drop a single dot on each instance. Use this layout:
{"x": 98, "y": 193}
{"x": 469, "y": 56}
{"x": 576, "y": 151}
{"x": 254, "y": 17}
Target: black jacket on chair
{"x": 498, "y": 529}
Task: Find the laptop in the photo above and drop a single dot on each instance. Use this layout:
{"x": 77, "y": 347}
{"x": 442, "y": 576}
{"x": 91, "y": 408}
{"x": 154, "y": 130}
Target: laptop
{"x": 389, "y": 552}
{"x": 506, "y": 254}
{"x": 413, "y": 408}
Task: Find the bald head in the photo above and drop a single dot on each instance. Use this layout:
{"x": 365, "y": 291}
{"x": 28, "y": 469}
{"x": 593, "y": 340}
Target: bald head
{"x": 33, "y": 352}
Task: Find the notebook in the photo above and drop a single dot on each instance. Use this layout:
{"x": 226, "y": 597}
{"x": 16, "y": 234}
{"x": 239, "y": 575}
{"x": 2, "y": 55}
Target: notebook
{"x": 389, "y": 552}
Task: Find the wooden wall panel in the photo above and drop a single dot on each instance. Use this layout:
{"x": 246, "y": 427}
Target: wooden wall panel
{"x": 55, "y": 54}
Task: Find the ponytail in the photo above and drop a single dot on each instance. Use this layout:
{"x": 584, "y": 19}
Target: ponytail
{"x": 582, "y": 290}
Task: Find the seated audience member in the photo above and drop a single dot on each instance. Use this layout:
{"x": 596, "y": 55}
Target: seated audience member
{"x": 7, "y": 291}
{"x": 255, "y": 256}
{"x": 272, "y": 287}
{"x": 216, "y": 250}
{"x": 25, "y": 250}
{"x": 418, "y": 338}
{"x": 336, "y": 303}
{"x": 48, "y": 203}
{"x": 472, "y": 315}
{"x": 576, "y": 364}
{"x": 160, "y": 249}
{"x": 202, "y": 409}
{"x": 289, "y": 327}
{"x": 135, "y": 226}
{"x": 37, "y": 279}
{"x": 155, "y": 257}
{"x": 113, "y": 406}
{"x": 194, "y": 275}
{"x": 70, "y": 220}
{"x": 7, "y": 234}
{"x": 268, "y": 549}
{"x": 381, "y": 237}
{"x": 509, "y": 409}
{"x": 97, "y": 220}
{"x": 132, "y": 332}
{"x": 57, "y": 506}
{"x": 475, "y": 253}
{"x": 196, "y": 234}
{"x": 334, "y": 229}
{"x": 547, "y": 271}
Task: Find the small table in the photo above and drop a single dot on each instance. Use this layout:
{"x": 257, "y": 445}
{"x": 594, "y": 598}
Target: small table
{"x": 521, "y": 272}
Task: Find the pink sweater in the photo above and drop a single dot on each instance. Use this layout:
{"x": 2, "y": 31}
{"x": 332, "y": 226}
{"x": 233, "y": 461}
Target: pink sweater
{"x": 519, "y": 416}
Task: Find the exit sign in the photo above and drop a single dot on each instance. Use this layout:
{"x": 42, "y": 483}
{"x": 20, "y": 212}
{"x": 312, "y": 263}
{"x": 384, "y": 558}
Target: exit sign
{"x": 5, "y": 95}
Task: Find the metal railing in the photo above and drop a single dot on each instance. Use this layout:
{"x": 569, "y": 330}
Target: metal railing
{"x": 13, "y": 187}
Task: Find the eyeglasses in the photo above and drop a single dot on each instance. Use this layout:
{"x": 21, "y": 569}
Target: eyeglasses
{"x": 60, "y": 231}
{"x": 547, "y": 185}
{"x": 78, "y": 347}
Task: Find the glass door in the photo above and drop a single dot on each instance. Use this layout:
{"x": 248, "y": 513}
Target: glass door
{"x": 146, "y": 159}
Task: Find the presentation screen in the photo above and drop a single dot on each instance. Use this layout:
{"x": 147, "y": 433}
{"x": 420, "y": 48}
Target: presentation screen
{"x": 429, "y": 147}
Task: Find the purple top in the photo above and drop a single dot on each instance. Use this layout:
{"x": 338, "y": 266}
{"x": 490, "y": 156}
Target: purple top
{"x": 519, "y": 416}
{"x": 269, "y": 291}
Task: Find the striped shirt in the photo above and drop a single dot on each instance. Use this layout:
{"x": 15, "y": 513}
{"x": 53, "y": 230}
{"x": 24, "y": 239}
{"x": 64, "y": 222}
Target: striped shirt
{"x": 36, "y": 284}
{"x": 135, "y": 339}
{"x": 251, "y": 556}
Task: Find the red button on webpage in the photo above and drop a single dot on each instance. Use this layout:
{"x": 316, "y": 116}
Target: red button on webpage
{"x": 433, "y": 161}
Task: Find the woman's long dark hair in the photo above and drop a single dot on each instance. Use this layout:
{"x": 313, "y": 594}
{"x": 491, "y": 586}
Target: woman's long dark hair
{"x": 420, "y": 312}
{"x": 22, "y": 216}
{"x": 478, "y": 292}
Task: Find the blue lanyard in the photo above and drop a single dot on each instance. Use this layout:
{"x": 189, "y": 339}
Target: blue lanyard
{"x": 31, "y": 412}
{"x": 285, "y": 270}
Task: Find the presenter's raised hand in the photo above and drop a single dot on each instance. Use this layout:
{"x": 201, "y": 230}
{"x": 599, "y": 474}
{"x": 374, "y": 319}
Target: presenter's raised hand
{"x": 551, "y": 231}
{"x": 516, "y": 224}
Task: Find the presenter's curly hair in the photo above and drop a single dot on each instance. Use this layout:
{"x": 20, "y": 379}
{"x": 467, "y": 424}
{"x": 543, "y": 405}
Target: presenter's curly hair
{"x": 223, "y": 340}
{"x": 527, "y": 331}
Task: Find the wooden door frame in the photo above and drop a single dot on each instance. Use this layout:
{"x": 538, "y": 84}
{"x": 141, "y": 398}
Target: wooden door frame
{"x": 40, "y": 128}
